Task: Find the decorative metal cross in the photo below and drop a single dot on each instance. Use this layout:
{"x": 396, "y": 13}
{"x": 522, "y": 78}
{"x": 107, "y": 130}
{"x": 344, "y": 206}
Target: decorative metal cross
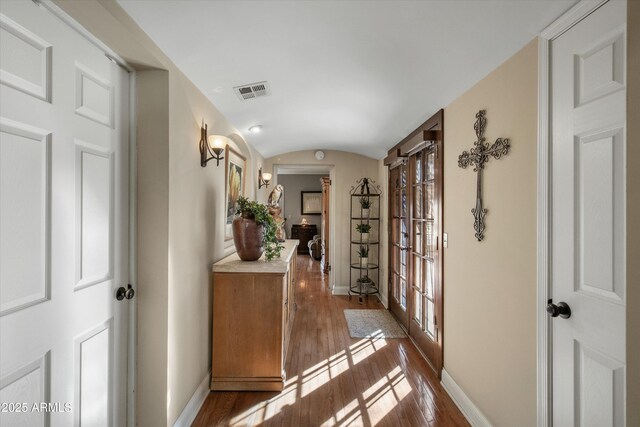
{"x": 477, "y": 157}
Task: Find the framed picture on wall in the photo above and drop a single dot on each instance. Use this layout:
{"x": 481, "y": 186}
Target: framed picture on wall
{"x": 234, "y": 186}
{"x": 311, "y": 202}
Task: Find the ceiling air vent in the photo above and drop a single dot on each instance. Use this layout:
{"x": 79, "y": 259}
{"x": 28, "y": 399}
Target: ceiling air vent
{"x": 253, "y": 90}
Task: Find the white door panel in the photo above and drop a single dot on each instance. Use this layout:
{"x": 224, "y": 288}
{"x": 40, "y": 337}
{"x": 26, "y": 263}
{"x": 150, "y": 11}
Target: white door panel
{"x": 64, "y": 123}
{"x": 588, "y": 169}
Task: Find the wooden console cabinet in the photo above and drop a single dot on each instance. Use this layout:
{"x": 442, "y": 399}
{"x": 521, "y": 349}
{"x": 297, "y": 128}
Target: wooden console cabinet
{"x": 253, "y": 310}
{"x": 303, "y": 233}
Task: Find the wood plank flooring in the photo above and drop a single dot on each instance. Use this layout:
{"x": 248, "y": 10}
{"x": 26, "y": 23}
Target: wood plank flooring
{"x": 336, "y": 380}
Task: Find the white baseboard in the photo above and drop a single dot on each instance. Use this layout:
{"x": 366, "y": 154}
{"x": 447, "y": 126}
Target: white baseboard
{"x": 190, "y": 411}
{"x": 471, "y": 412}
{"x": 383, "y": 299}
{"x": 340, "y": 290}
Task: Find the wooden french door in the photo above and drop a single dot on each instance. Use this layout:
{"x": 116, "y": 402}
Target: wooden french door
{"x": 399, "y": 245}
{"x": 415, "y": 226}
{"x": 425, "y": 277}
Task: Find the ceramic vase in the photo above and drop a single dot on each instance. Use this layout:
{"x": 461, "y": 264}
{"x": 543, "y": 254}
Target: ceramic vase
{"x": 248, "y": 237}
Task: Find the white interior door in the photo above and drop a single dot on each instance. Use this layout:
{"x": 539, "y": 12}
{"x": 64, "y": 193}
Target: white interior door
{"x": 588, "y": 203}
{"x": 64, "y": 165}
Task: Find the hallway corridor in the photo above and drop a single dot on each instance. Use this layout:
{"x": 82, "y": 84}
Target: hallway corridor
{"x": 336, "y": 380}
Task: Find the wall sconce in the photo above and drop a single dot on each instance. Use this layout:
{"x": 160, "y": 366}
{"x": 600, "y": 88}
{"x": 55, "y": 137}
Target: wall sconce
{"x": 264, "y": 179}
{"x": 210, "y": 148}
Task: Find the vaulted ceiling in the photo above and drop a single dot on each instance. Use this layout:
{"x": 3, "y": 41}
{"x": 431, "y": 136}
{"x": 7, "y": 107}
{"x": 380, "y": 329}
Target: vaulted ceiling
{"x": 346, "y": 75}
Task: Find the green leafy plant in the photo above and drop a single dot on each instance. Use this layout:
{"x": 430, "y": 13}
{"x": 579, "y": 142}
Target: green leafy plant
{"x": 260, "y": 214}
{"x": 364, "y": 279}
{"x": 363, "y": 252}
{"x": 363, "y": 228}
{"x": 365, "y": 203}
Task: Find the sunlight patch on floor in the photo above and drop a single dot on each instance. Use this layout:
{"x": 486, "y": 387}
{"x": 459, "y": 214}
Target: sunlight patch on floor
{"x": 246, "y": 416}
{"x": 321, "y": 374}
{"x": 390, "y": 389}
{"x": 365, "y": 348}
{"x": 267, "y": 409}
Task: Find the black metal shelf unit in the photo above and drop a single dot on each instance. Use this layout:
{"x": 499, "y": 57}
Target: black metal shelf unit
{"x": 365, "y": 239}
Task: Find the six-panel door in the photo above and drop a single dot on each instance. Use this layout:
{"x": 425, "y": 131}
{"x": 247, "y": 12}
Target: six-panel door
{"x": 64, "y": 223}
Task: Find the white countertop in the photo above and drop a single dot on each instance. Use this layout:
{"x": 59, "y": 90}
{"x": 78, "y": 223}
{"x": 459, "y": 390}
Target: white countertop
{"x": 233, "y": 264}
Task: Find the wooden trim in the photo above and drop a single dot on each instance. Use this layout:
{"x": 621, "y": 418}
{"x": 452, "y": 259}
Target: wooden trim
{"x": 393, "y": 158}
{"x": 431, "y": 123}
{"x": 544, "y": 350}
{"x": 420, "y": 141}
{"x": 325, "y": 182}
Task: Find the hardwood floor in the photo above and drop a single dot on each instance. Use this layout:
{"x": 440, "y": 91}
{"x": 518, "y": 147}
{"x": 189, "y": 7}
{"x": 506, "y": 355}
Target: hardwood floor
{"x": 336, "y": 380}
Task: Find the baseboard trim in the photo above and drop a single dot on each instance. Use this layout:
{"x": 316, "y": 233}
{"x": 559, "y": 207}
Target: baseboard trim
{"x": 340, "y": 290}
{"x": 383, "y": 299}
{"x": 471, "y": 412}
{"x": 190, "y": 411}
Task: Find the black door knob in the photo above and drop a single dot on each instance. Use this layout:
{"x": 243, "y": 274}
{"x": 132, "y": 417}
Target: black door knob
{"x": 123, "y": 293}
{"x": 562, "y": 309}
{"x": 130, "y": 292}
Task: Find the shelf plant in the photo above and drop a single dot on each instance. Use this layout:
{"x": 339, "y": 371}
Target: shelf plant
{"x": 363, "y": 253}
{"x": 254, "y": 231}
{"x": 364, "y": 230}
{"x": 365, "y": 204}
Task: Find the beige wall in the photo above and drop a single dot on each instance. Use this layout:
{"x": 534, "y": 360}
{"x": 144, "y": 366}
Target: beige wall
{"x": 490, "y": 286}
{"x": 347, "y": 168}
{"x": 152, "y": 106}
{"x": 633, "y": 215}
{"x": 196, "y": 238}
{"x": 180, "y": 216}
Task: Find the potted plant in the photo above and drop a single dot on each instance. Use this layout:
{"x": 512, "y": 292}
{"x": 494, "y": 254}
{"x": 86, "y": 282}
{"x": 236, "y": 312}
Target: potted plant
{"x": 364, "y": 230}
{"x": 254, "y": 231}
{"x": 363, "y": 253}
{"x": 365, "y": 204}
{"x": 365, "y": 282}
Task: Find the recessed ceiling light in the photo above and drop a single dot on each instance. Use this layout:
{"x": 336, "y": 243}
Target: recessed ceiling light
{"x": 255, "y": 129}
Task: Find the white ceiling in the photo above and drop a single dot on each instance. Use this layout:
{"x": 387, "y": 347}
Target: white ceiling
{"x": 345, "y": 75}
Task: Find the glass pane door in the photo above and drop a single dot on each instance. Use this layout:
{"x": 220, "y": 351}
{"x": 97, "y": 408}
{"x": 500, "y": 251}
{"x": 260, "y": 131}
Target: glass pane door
{"x": 399, "y": 244}
{"x": 425, "y": 255}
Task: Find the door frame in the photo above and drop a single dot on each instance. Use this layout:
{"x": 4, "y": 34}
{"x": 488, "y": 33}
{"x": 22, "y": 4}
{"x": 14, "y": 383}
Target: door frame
{"x": 543, "y": 325}
{"x": 133, "y": 262}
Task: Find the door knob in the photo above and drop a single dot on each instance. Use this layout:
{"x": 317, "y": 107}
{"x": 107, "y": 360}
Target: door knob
{"x": 562, "y": 309}
{"x": 123, "y": 293}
